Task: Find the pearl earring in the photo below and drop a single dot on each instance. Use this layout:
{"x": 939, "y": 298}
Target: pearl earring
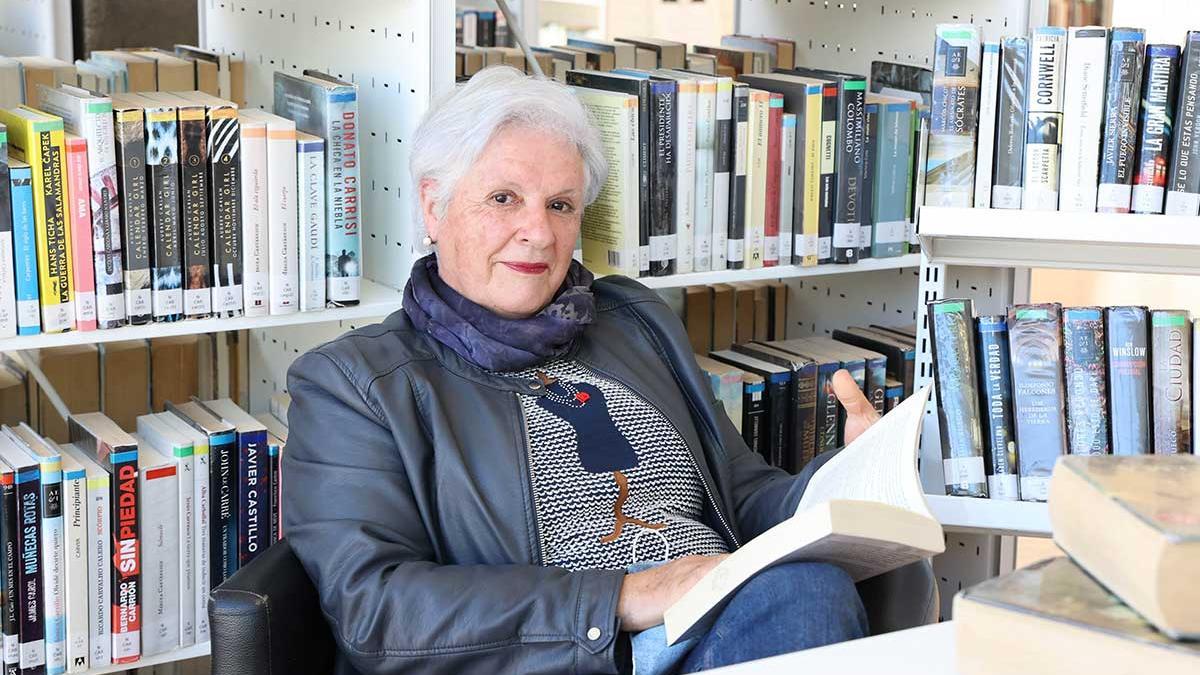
{"x": 427, "y": 241}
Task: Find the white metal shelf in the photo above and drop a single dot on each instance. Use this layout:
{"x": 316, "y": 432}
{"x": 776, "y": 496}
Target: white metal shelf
{"x": 193, "y": 652}
{"x": 376, "y": 300}
{"x": 780, "y": 272}
{"x": 1098, "y": 241}
{"x": 990, "y": 516}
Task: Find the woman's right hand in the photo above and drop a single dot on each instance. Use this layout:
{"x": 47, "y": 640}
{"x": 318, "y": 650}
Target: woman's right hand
{"x": 646, "y": 595}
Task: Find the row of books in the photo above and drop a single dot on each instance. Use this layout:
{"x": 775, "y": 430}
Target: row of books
{"x": 1082, "y": 119}
{"x": 114, "y": 539}
{"x": 778, "y": 394}
{"x": 480, "y": 28}
{"x": 1017, "y": 391}
{"x": 1122, "y": 593}
{"x": 126, "y": 69}
{"x": 162, "y": 206}
{"x": 711, "y": 172}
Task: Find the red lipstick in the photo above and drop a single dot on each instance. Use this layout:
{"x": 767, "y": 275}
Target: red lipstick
{"x": 527, "y": 268}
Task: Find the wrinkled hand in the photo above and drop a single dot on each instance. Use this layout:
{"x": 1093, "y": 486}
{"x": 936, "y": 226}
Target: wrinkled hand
{"x": 860, "y": 413}
{"x": 646, "y": 595}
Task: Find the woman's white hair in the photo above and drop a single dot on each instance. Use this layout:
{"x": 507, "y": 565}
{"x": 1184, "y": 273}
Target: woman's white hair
{"x": 457, "y": 127}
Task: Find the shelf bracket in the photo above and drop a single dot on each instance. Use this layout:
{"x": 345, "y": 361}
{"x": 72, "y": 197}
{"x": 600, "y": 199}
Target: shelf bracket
{"x": 32, "y": 367}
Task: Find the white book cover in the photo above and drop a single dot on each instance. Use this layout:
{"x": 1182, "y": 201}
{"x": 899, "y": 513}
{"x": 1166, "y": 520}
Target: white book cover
{"x": 685, "y": 176}
{"x": 1083, "y": 117}
{"x": 722, "y": 163}
{"x": 200, "y": 518}
{"x": 706, "y": 140}
{"x": 756, "y": 178}
{"x": 310, "y": 163}
{"x": 1043, "y": 127}
{"x": 283, "y": 214}
{"x": 255, "y": 277}
{"x": 158, "y": 507}
{"x": 99, "y": 549}
{"x": 787, "y": 179}
{"x": 179, "y": 448}
{"x": 75, "y": 508}
{"x": 8, "y": 281}
{"x": 989, "y": 82}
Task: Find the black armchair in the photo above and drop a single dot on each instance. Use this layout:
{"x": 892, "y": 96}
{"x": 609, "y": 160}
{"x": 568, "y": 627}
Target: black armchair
{"x": 266, "y": 619}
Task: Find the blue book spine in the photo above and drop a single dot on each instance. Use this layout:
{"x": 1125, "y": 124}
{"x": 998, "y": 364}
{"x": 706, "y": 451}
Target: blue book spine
{"x": 223, "y": 523}
{"x": 995, "y": 390}
{"x": 754, "y": 408}
{"x": 276, "y": 533}
{"x": 1127, "y": 349}
{"x": 827, "y": 408}
{"x": 876, "y": 382}
{"x": 254, "y": 498}
{"x": 32, "y": 629}
{"x": 1086, "y": 381}
{"x": 9, "y": 551}
{"x": 25, "y": 252}
{"x": 343, "y": 204}
{"x": 54, "y": 565}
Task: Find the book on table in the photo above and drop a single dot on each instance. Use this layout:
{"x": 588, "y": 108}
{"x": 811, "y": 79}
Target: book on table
{"x": 864, "y": 511}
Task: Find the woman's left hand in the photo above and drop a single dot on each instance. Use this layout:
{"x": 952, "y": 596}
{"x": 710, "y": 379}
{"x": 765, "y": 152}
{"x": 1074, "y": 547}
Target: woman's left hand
{"x": 860, "y": 413}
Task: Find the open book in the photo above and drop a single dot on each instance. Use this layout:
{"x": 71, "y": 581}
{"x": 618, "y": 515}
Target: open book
{"x": 863, "y": 511}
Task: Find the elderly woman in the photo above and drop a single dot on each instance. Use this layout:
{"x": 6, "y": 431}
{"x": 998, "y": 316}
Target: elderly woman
{"x": 524, "y": 468}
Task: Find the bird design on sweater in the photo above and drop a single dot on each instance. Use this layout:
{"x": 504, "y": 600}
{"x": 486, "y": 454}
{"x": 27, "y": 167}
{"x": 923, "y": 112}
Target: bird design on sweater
{"x": 601, "y": 446}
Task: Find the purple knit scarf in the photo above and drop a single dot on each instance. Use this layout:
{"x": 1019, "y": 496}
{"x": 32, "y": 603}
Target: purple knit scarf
{"x": 490, "y": 341}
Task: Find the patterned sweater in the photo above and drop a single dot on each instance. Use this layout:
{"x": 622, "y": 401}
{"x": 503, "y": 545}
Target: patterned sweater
{"x": 613, "y": 480}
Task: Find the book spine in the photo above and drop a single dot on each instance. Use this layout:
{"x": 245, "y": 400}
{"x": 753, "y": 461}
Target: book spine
{"x": 847, "y": 215}
{"x": 756, "y": 178}
{"x": 995, "y": 389}
{"x": 876, "y": 382}
{"x": 100, "y": 637}
{"x": 808, "y": 178}
{"x": 194, "y": 212}
{"x": 253, "y": 497}
{"x": 32, "y": 628}
{"x": 283, "y": 258}
{"x": 255, "y": 277}
{"x": 223, "y": 474}
{"x": 1086, "y": 381}
{"x": 157, "y": 510}
{"x": 805, "y": 436}
{"x": 858, "y": 370}
{"x": 29, "y": 320}
{"x": 1183, "y": 188}
{"x": 722, "y": 180}
{"x": 134, "y": 213}
{"x": 1170, "y": 352}
{"x": 685, "y": 177}
{"x": 754, "y": 411}
{"x": 892, "y": 180}
{"x": 201, "y": 516}
{"x": 10, "y": 544}
{"x": 185, "y": 550}
{"x": 664, "y": 243}
{"x": 829, "y": 155}
{"x": 76, "y": 606}
{"x": 1035, "y": 345}
{"x": 126, "y": 565}
{"x": 952, "y": 329}
{"x": 104, "y": 203}
{"x": 1083, "y": 96}
{"x": 1195, "y": 386}
{"x": 310, "y": 162}
{"x": 166, "y": 262}
{"x": 8, "y": 281}
{"x": 706, "y": 139}
{"x": 83, "y": 276}
{"x": 779, "y": 403}
{"x": 54, "y": 566}
{"x": 1127, "y": 51}
{"x": 736, "y": 249}
{"x": 1009, "y": 162}
{"x": 52, "y": 215}
{"x": 225, "y": 207}
{"x": 921, "y": 158}
{"x": 1043, "y": 128}
{"x": 1159, "y": 89}
{"x": 273, "y": 491}
{"x": 950, "y": 166}
{"x": 1127, "y": 330}
{"x": 344, "y": 203}
{"x": 989, "y": 85}
{"x": 870, "y": 162}
{"x": 787, "y": 192}
{"x": 772, "y": 248}
{"x": 827, "y": 409}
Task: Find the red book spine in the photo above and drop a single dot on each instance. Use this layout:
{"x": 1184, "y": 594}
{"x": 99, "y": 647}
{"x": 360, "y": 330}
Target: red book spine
{"x": 83, "y": 265}
{"x": 774, "y": 171}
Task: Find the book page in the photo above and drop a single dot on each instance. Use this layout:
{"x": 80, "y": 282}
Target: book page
{"x": 880, "y": 465}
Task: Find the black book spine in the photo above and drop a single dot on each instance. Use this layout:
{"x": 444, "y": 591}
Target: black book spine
{"x": 1183, "y": 189}
{"x": 1086, "y": 380}
{"x": 754, "y": 413}
{"x": 952, "y": 338}
{"x": 194, "y": 212}
{"x": 166, "y": 259}
{"x": 254, "y": 499}
{"x": 1170, "y": 380}
{"x": 1122, "y": 99}
{"x": 736, "y": 247}
{"x": 805, "y": 421}
{"x": 225, "y": 200}
{"x": 1159, "y": 89}
{"x": 858, "y": 370}
{"x": 274, "y": 487}
{"x": 9, "y": 546}
{"x": 995, "y": 390}
{"x": 223, "y": 488}
{"x": 1009, "y": 162}
{"x": 827, "y": 409}
{"x": 830, "y": 133}
{"x": 1127, "y": 331}
{"x": 779, "y": 399}
{"x": 1035, "y": 347}
{"x": 134, "y": 205}
{"x": 876, "y": 382}
{"x": 723, "y": 169}
{"x": 664, "y": 246}
{"x": 848, "y": 200}
{"x": 866, "y": 229}
{"x": 29, "y": 593}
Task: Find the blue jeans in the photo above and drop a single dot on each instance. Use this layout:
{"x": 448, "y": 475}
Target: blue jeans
{"x": 784, "y": 609}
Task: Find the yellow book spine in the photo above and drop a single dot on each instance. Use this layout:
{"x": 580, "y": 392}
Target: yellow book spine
{"x": 51, "y": 222}
{"x": 812, "y": 176}
{"x": 756, "y": 178}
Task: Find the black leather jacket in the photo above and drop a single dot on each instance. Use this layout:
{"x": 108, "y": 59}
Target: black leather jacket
{"x": 407, "y": 494}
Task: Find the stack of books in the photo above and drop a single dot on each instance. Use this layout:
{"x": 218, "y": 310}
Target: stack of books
{"x": 1122, "y": 602}
{"x": 1017, "y": 391}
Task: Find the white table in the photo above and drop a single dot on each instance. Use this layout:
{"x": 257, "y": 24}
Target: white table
{"x": 928, "y": 650}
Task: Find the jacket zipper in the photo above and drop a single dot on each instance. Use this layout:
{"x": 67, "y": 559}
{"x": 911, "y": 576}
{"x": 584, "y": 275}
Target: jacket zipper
{"x": 541, "y": 546}
{"x": 695, "y": 465}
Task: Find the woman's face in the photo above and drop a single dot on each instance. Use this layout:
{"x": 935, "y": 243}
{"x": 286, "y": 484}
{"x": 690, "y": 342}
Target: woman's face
{"x": 506, "y": 239}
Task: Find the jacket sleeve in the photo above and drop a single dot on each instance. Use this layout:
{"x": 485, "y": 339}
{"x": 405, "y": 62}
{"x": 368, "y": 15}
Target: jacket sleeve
{"x": 361, "y": 534}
